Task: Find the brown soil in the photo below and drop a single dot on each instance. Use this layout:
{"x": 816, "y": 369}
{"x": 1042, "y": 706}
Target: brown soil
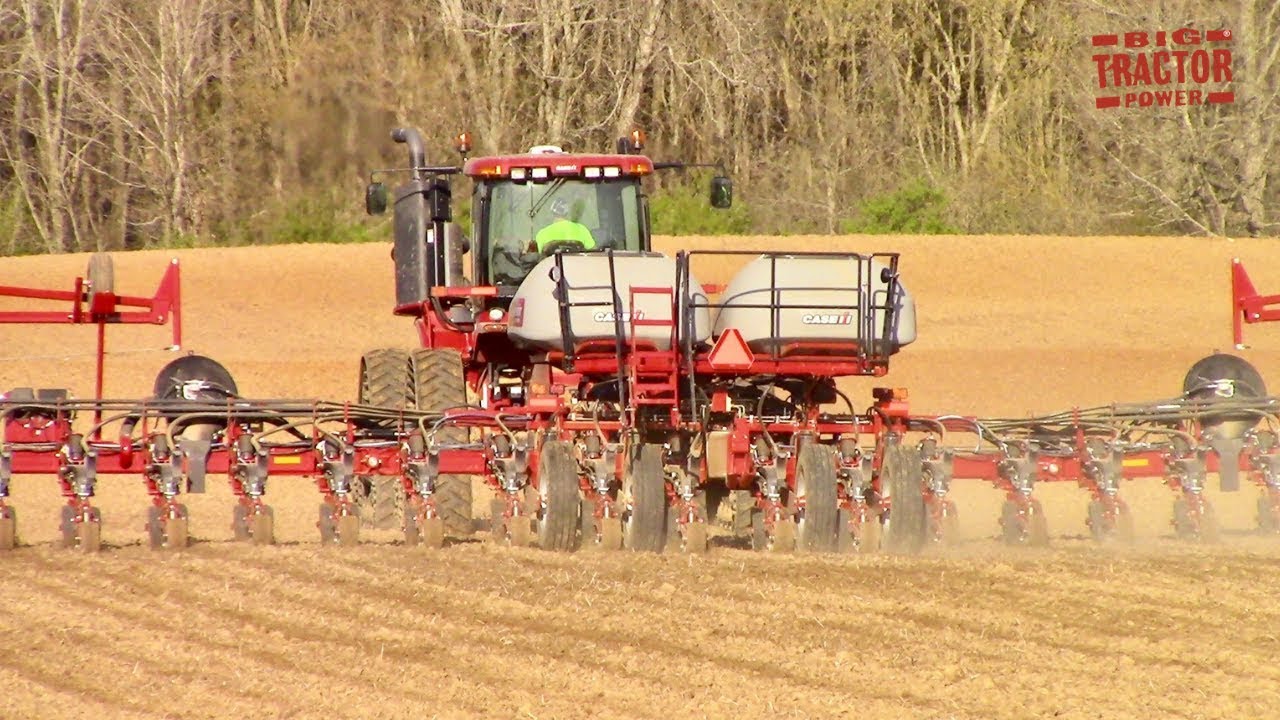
{"x": 1008, "y": 326}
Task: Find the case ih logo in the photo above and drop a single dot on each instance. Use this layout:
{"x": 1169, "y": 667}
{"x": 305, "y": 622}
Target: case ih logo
{"x": 841, "y": 319}
{"x": 1159, "y": 60}
{"x": 607, "y": 316}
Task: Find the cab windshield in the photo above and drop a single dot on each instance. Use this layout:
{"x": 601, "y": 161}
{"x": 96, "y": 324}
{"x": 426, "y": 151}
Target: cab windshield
{"x": 527, "y": 219}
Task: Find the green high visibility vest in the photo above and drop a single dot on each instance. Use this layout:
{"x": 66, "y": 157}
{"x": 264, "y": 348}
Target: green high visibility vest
{"x": 565, "y": 230}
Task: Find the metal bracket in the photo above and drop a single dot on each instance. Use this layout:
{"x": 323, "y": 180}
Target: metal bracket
{"x": 1020, "y": 471}
{"x": 339, "y": 472}
{"x": 251, "y": 474}
{"x": 511, "y": 468}
{"x": 1104, "y": 465}
{"x": 937, "y": 466}
{"x": 6, "y": 470}
{"x": 164, "y": 472}
{"x": 196, "y": 453}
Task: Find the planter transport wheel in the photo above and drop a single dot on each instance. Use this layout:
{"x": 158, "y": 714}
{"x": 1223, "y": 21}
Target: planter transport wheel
{"x": 644, "y": 490}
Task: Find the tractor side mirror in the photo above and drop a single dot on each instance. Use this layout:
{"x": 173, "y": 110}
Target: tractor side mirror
{"x": 721, "y": 192}
{"x": 375, "y": 198}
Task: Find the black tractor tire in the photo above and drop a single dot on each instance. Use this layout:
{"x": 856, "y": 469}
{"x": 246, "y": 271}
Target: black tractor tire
{"x": 741, "y": 503}
{"x": 101, "y": 274}
{"x": 560, "y": 496}
{"x": 816, "y": 482}
{"x": 386, "y": 380}
{"x": 439, "y": 384}
{"x": 645, "y": 487}
{"x": 900, "y": 475}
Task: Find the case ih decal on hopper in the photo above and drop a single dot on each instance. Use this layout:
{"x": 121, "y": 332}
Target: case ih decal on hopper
{"x": 841, "y": 319}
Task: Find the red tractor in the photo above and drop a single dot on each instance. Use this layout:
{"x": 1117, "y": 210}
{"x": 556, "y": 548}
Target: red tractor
{"x": 614, "y": 399}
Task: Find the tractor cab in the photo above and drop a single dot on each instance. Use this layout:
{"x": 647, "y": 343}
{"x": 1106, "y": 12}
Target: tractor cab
{"x": 526, "y": 208}
{"x": 530, "y": 206}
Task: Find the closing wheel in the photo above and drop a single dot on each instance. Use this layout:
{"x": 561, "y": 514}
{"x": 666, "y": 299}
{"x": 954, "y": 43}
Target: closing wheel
{"x": 327, "y": 524}
{"x": 176, "y": 532}
{"x": 816, "y": 485}
{"x": 1124, "y": 525}
{"x": 8, "y": 528}
{"x": 1210, "y": 530}
{"x": 1037, "y": 525}
{"x": 1191, "y": 525}
{"x": 412, "y": 531}
{"x": 1268, "y": 513}
{"x": 520, "y": 531}
{"x": 1011, "y": 529}
{"x": 263, "y": 526}
{"x": 240, "y": 523}
{"x": 439, "y": 384}
{"x": 872, "y": 533}
{"x": 89, "y": 532}
{"x": 644, "y": 490}
{"x": 167, "y": 527}
{"x": 69, "y": 533}
{"x": 1120, "y": 527}
{"x": 349, "y": 530}
{"x": 900, "y": 475}
{"x": 433, "y": 533}
{"x": 695, "y": 537}
{"x": 784, "y": 536}
{"x": 558, "y": 496}
{"x": 947, "y": 531}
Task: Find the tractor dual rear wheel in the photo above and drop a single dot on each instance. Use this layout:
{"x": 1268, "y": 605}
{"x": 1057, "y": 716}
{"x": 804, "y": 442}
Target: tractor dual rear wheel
{"x": 386, "y": 380}
{"x": 439, "y": 384}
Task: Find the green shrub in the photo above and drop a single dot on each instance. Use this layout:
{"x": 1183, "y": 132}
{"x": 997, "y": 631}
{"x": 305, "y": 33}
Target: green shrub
{"x": 306, "y": 219}
{"x": 686, "y": 210}
{"x": 917, "y": 207}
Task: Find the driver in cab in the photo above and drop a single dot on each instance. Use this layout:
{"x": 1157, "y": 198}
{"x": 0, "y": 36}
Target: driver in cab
{"x": 563, "y": 229}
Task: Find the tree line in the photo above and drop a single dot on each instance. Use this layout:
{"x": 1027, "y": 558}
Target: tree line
{"x": 134, "y": 123}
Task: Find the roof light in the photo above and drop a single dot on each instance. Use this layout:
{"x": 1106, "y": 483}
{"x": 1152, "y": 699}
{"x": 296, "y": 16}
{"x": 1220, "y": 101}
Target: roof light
{"x": 518, "y": 173}
{"x": 637, "y": 139}
{"x": 612, "y": 172}
{"x": 591, "y": 172}
{"x": 539, "y": 173}
{"x": 546, "y": 150}
{"x": 463, "y": 142}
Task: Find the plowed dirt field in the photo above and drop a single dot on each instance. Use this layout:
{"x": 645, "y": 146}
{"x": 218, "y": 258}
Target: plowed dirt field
{"x": 1008, "y": 326}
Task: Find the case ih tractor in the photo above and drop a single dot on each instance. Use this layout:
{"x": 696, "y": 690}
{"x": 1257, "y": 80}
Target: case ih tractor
{"x": 613, "y": 401}
{"x": 610, "y": 399}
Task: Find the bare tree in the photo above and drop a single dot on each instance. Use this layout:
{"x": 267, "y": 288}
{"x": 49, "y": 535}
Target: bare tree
{"x": 49, "y": 136}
